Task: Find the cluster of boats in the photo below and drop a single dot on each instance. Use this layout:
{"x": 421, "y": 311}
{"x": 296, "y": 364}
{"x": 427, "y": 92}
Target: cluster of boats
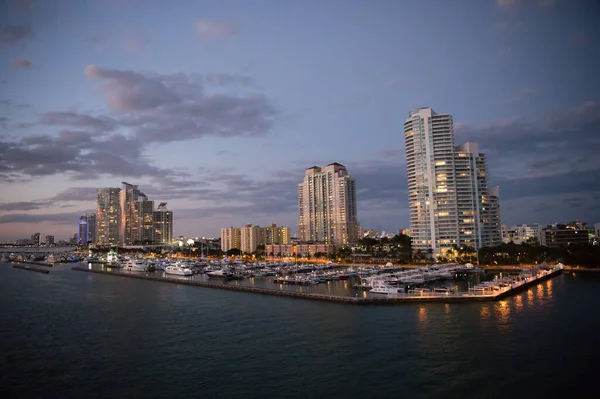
{"x": 40, "y": 257}
{"x": 400, "y": 281}
{"x": 507, "y": 282}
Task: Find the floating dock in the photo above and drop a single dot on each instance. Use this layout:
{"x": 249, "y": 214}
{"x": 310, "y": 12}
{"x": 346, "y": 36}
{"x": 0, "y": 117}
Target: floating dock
{"x": 395, "y": 299}
{"x": 31, "y": 268}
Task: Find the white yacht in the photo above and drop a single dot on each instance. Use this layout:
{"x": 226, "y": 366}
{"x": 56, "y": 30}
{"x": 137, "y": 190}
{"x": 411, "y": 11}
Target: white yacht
{"x": 178, "y": 270}
{"x": 217, "y": 274}
{"x": 380, "y": 288}
{"x": 135, "y": 265}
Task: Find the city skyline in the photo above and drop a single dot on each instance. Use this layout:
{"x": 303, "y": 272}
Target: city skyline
{"x": 221, "y": 110}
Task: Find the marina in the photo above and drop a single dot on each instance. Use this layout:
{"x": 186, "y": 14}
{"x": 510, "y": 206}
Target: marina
{"x": 488, "y": 291}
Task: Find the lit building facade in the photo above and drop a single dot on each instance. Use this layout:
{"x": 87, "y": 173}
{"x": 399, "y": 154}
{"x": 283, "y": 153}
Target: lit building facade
{"x": 146, "y": 229}
{"x": 251, "y": 237}
{"x": 299, "y": 249}
{"x": 478, "y": 206}
{"x": 129, "y": 226}
{"x": 82, "y": 231}
{"x": 327, "y": 206}
{"x": 449, "y": 199}
{"x": 277, "y": 234}
{"x": 231, "y": 237}
{"x": 49, "y": 240}
{"x": 108, "y": 215}
{"x": 35, "y": 239}
{"x": 561, "y": 235}
{"x": 163, "y": 225}
{"x": 429, "y": 146}
{"x": 92, "y": 232}
{"x": 520, "y": 233}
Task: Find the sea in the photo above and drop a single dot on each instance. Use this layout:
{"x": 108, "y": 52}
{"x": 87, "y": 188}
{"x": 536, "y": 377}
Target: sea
{"x": 70, "y": 334}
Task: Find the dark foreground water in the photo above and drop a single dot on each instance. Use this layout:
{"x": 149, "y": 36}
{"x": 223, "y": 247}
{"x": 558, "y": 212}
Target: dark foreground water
{"x": 74, "y": 334}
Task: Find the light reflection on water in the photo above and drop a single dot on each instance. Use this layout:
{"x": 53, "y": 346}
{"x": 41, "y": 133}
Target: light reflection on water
{"x": 431, "y": 350}
{"x": 484, "y": 312}
{"x": 422, "y": 316}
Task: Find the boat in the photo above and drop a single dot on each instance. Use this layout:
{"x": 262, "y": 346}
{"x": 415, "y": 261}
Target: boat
{"x": 134, "y": 265}
{"x": 218, "y": 274}
{"x": 178, "y": 270}
{"x": 380, "y": 288}
{"x": 51, "y": 258}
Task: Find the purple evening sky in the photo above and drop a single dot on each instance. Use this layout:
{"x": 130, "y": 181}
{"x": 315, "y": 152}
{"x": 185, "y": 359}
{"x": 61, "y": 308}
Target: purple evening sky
{"x": 217, "y": 107}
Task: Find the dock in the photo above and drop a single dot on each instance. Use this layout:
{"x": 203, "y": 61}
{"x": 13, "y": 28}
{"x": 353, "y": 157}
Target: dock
{"x": 32, "y": 262}
{"x": 31, "y": 268}
{"x": 394, "y": 299}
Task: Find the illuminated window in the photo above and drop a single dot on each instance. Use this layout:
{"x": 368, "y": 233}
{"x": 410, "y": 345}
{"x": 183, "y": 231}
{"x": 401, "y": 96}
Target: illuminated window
{"x": 440, "y": 163}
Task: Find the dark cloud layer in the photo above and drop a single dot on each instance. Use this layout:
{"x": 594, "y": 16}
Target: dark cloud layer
{"x": 14, "y": 34}
{"x": 21, "y": 63}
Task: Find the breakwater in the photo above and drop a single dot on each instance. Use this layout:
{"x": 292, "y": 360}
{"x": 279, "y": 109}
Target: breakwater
{"x": 395, "y": 299}
{"x": 31, "y": 268}
{"x": 31, "y": 262}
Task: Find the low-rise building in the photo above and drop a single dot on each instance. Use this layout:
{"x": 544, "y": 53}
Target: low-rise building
{"x": 301, "y": 249}
{"x": 520, "y": 233}
{"x": 561, "y": 235}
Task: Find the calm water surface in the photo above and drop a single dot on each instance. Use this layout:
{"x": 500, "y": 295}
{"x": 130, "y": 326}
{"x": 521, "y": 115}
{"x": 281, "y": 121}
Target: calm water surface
{"x": 73, "y": 334}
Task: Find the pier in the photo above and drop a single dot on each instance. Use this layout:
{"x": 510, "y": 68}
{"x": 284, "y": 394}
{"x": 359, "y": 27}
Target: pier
{"x": 31, "y": 268}
{"x": 392, "y": 299}
{"x": 31, "y": 262}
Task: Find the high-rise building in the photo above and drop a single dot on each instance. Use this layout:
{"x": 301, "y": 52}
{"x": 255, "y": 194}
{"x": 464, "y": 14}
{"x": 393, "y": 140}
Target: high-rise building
{"x": 92, "y": 233}
{"x": 478, "y": 206}
{"x": 35, "y": 239}
{"x": 277, "y": 235}
{"x": 450, "y": 203}
{"x": 128, "y": 229}
{"x": 251, "y": 238}
{"x": 82, "y": 231}
{"x": 231, "y": 237}
{"x": 49, "y": 240}
{"x": 327, "y": 205}
{"x": 145, "y": 218}
{"x": 163, "y": 224}
{"x": 429, "y": 144}
{"x": 108, "y": 215}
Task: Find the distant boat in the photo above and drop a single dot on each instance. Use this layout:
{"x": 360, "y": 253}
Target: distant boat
{"x": 135, "y": 265}
{"x": 380, "y": 288}
{"x": 178, "y": 270}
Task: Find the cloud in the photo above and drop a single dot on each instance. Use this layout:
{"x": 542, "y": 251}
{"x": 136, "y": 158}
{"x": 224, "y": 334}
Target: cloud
{"x": 24, "y": 6}
{"x": 146, "y": 108}
{"x": 19, "y": 206}
{"x": 14, "y": 34}
{"x": 205, "y": 28}
{"x": 21, "y": 63}
{"x": 74, "y": 119}
{"x": 520, "y": 95}
{"x": 226, "y": 79}
{"x": 60, "y": 218}
{"x": 177, "y": 107}
{"x": 135, "y": 44}
{"x": 546, "y": 155}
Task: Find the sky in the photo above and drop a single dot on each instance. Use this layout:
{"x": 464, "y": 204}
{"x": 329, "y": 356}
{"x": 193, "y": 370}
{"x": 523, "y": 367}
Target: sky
{"x": 218, "y": 107}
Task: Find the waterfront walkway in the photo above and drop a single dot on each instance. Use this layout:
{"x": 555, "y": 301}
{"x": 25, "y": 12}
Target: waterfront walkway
{"x": 391, "y": 299}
